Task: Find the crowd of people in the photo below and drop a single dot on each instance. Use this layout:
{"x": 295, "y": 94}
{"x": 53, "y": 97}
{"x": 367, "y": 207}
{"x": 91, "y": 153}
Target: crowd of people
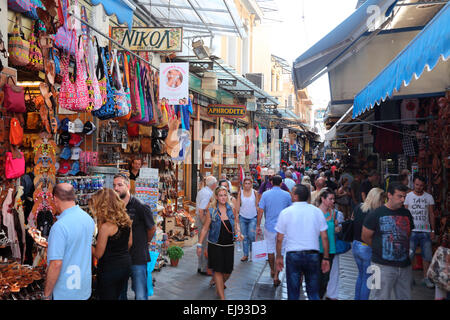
{"x": 304, "y": 210}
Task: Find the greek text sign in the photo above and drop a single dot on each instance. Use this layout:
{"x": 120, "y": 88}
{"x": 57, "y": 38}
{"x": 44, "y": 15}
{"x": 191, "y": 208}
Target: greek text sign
{"x": 225, "y": 110}
{"x": 149, "y": 39}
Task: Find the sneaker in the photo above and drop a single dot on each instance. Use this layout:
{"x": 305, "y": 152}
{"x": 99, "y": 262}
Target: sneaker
{"x": 428, "y": 283}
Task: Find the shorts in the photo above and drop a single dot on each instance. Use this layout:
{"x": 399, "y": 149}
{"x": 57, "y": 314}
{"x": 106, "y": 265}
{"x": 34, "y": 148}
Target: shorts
{"x": 271, "y": 241}
{"x": 424, "y": 241}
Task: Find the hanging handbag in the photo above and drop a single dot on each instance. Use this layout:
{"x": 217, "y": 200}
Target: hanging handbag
{"x": 15, "y": 132}
{"x": 95, "y": 97}
{"x": 20, "y": 6}
{"x": 100, "y": 74}
{"x": 108, "y": 110}
{"x": 121, "y": 96}
{"x": 129, "y": 68}
{"x": 18, "y": 47}
{"x": 14, "y": 167}
{"x": 54, "y": 55}
{"x": 14, "y": 100}
{"x": 439, "y": 270}
{"x": 140, "y": 102}
{"x": 32, "y": 13}
{"x": 35, "y": 55}
{"x": 126, "y": 88}
{"x": 74, "y": 96}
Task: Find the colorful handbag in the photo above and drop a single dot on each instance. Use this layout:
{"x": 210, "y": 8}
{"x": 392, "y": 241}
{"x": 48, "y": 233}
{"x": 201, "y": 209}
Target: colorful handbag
{"x": 14, "y": 100}
{"x": 74, "y": 96}
{"x": 20, "y": 6}
{"x": 140, "y": 100}
{"x": 63, "y": 40}
{"x": 95, "y": 97}
{"x": 14, "y": 167}
{"x": 108, "y": 110}
{"x": 132, "y": 79}
{"x": 100, "y": 74}
{"x": 32, "y": 13}
{"x": 35, "y": 55}
{"x": 18, "y": 47}
{"x": 122, "y": 95}
{"x": 54, "y": 55}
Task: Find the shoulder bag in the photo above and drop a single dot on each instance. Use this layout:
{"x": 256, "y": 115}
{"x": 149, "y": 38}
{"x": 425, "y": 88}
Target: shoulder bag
{"x": 108, "y": 110}
{"x": 121, "y": 94}
{"x": 100, "y": 74}
{"x": 14, "y": 97}
{"x": 18, "y": 47}
{"x": 36, "y": 62}
{"x": 95, "y": 97}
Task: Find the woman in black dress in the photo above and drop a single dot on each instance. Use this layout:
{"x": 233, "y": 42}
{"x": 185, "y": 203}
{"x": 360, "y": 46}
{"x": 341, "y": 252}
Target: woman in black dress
{"x": 220, "y": 226}
{"x": 114, "y": 239}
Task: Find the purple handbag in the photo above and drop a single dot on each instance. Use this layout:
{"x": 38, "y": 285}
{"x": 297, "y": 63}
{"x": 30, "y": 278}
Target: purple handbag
{"x": 19, "y": 5}
{"x": 62, "y": 40}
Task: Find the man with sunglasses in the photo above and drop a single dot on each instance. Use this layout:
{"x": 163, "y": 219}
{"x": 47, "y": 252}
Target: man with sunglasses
{"x": 143, "y": 229}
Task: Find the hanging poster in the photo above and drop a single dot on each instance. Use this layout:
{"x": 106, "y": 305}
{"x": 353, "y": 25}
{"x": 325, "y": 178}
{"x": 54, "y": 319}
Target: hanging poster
{"x": 174, "y": 83}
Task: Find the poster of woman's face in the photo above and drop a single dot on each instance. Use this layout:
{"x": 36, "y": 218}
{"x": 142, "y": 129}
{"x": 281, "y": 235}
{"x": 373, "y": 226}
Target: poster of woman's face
{"x": 174, "y": 78}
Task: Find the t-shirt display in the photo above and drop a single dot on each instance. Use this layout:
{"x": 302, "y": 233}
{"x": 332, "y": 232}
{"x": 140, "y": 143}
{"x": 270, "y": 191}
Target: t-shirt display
{"x": 390, "y": 242}
{"x": 418, "y": 206}
{"x": 409, "y": 108}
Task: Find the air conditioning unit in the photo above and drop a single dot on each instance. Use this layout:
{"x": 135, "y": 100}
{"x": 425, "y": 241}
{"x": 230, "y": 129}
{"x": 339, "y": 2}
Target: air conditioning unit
{"x": 209, "y": 81}
{"x": 256, "y": 78}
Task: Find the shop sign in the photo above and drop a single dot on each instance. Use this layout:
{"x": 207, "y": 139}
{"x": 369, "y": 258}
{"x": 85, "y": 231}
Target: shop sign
{"x": 226, "y": 110}
{"x": 149, "y": 39}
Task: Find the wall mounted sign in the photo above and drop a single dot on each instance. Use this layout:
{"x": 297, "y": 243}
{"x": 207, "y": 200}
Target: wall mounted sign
{"x": 149, "y": 39}
{"x": 226, "y": 110}
{"x": 174, "y": 82}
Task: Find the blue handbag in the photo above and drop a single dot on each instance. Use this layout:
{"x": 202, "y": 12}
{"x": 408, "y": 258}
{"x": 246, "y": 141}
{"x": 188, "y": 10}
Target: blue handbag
{"x": 342, "y": 246}
{"x": 108, "y": 110}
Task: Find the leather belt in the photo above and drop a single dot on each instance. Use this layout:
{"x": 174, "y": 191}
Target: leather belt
{"x": 305, "y": 251}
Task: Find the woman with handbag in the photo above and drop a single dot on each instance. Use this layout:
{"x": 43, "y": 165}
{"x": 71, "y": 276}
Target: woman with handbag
{"x": 325, "y": 202}
{"x": 247, "y": 202}
{"x": 220, "y": 226}
{"x": 361, "y": 251}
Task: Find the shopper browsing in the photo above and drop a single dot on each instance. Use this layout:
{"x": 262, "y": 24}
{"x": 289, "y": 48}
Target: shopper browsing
{"x": 388, "y": 230}
{"x": 114, "y": 239}
{"x": 247, "y": 204}
{"x": 301, "y": 225}
{"x": 143, "y": 229}
{"x": 69, "y": 275}
{"x": 219, "y": 229}
{"x": 420, "y": 204}
{"x": 362, "y": 252}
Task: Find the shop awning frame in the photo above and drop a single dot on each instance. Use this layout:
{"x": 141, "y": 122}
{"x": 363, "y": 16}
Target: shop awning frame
{"x": 425, "y": 51}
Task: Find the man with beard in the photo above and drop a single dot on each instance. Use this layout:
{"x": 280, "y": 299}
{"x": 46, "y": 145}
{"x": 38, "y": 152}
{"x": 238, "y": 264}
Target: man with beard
{"x": 143, "y": 229}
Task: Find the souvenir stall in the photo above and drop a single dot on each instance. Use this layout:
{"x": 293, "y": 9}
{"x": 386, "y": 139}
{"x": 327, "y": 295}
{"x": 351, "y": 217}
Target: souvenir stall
{"x": 75, "y": 111}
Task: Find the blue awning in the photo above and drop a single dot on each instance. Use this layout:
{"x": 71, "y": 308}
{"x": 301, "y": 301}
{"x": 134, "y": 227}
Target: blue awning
{"x": 315, "y": 59}
{"x": 122, "y": 9}
{"x": 425, "y": 50}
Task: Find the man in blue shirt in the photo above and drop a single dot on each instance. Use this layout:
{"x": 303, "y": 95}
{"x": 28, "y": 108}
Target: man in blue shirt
{"x": 272, "y": 203}
{"x": 69, "y": 252}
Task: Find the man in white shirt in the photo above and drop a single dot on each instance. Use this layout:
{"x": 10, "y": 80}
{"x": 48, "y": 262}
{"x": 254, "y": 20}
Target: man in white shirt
{"x": 302, "y": 224}
{"x": 420, "y": 204}
{"x": 202, "y": 202}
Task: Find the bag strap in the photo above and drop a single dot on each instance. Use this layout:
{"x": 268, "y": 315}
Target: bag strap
{"x": 126, "y": 70}
{"x": 100, "y": 67}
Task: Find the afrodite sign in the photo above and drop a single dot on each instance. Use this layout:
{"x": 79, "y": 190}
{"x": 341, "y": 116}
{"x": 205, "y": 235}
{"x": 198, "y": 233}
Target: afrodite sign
{"x": 225, "y": 110}
{"x": 149, "y": 39}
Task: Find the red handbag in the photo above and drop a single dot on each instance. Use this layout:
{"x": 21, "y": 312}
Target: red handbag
{"x": 14, "y": 167}
{"x": 14, "y": 97}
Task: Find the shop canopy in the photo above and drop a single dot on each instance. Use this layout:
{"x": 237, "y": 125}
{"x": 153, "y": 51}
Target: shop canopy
{"x": 425, "y": 50}
{"x": 307, "y": 68}
{"x": 122, "y": 9}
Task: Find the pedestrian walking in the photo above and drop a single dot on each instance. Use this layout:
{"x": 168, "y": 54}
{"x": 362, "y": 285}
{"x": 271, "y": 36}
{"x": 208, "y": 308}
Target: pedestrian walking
{"x": 267, "y": 184}
{"x": 421, "y": 204}
{"x": 362, "y": 252}
{"x": 301, "y": 225}
{"x": 343, "y": 198}
{"x": 114, "y": 240}
{"x": 320, "y": 184}
{"x": 231, "y": 200}
{"x": 325, "y": 202}
{"x": 69, "y": 256}
{"x": 219, "y": 229}
{"x": 247, "y": 204}
{"x": 271, "y": 204}
{"x": 388, "y": 230}
{"x": 355, "y": 189}
{"x": 202, "y": 202}
{"x": 288, "y": 181}
{"x": 143, "y": 228}
{"x": 372, "y": 180}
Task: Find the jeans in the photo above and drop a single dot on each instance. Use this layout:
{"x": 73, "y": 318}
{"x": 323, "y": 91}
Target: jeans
{"x": 363, "y": 255}
{"x": 393, "y": 279}
{"x": 324, "y": 277}
{"x": 423, "y": 239}
{"x": 139, "y": 283}
{"x": 110, "y": 283}
{"x": 202, "y": 260}
{"x": 308, "y": 264}
{"x": 248, "y": 230}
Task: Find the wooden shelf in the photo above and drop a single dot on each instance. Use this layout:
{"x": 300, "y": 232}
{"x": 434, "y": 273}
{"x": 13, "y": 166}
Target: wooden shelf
{"x": 112, "y": 164}
{"x": 113, "y": 143}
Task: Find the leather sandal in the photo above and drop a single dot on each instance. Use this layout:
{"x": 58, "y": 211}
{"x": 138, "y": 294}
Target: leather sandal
{"x": 244, "y": 258}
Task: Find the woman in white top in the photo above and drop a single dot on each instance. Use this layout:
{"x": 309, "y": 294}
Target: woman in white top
{"x": 247, "y": 202}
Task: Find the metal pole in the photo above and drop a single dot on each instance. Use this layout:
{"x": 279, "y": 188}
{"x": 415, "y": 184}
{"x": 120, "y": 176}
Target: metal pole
{"x": 113, "y": 41}
{"x": 234, "y": 21}
{"x": 382, "y": 121}
{"x": 419, "y": 3}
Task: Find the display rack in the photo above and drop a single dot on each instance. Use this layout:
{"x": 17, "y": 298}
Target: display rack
{"x": 85, "y": 187}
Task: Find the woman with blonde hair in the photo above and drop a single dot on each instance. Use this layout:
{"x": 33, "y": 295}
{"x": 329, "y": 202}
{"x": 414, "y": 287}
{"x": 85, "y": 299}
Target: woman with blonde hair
{"x": 114, "y": 240}
{"x": 361, "y": 251}
{"x": 220, "y": 225}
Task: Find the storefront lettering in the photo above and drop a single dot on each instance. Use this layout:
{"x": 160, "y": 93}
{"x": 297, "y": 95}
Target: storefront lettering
{"x": 149, "y": 39}
{"x": 230, "y": 111}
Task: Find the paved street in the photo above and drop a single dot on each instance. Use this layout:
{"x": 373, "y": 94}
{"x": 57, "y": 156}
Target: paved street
{"x": 250, "y": 281}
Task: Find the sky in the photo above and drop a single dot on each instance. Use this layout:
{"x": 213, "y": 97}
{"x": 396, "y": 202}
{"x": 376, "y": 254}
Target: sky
{"x": 296, "y": 34}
